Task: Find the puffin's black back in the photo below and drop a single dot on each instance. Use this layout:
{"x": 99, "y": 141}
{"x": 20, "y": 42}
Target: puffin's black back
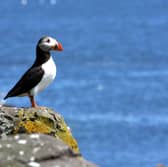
{"x": 28, "y": 81}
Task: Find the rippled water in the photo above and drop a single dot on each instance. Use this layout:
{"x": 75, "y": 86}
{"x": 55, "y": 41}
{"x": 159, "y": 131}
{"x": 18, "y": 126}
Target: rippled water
{"x": 112, "y": 78}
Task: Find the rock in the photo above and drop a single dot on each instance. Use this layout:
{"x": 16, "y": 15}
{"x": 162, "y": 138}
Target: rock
{"x": 37, "y": 137}
{"x": 38, "y": 150}
{"x": 35, "y": 120}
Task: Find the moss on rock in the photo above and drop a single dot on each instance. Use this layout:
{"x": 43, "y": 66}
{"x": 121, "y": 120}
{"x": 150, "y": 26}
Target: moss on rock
{"x": 36, "y": 120}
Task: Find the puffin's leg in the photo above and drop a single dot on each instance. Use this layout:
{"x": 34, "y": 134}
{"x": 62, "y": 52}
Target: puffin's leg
{"x": 32, "y": 100}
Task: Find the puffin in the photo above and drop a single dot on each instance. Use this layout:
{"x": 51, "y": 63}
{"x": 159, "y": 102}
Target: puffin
{"x": 40, "y": 74}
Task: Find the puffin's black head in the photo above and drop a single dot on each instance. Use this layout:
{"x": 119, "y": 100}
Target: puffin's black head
{"x": 47, "y": 44}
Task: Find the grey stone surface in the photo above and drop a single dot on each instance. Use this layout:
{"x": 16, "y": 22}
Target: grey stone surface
{"x": 6, "y": 123}
{"x": 38, "y": 150}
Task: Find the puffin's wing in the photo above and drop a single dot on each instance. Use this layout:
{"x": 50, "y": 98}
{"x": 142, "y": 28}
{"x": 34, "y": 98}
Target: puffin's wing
{"x": 29, "y": 80}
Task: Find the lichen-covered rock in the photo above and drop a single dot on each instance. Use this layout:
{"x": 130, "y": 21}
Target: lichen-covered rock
{"x": 6, "y": 123}
{"x": 38, "y": 150}
{"x": 35, "y": 120}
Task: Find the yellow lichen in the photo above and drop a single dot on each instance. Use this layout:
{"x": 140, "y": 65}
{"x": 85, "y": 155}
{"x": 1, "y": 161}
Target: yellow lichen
{"x": 69, "y": 140}
{"x": 35, "y": 126}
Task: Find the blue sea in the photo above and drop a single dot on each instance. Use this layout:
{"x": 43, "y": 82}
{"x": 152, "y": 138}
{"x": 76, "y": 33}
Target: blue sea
{"x": 112, "y": 77}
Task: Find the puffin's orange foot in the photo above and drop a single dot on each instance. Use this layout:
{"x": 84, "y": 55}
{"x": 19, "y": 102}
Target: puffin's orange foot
{"x": 33, "y": 103}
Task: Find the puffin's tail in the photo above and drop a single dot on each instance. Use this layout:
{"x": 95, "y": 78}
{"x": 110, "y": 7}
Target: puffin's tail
{"x": 5, "y": 97}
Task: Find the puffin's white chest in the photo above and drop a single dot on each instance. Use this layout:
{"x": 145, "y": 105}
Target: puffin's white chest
{"x": 49, "y": 74}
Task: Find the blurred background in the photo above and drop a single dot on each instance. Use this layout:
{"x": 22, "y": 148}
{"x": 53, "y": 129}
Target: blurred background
{"x": 112, "y": 77}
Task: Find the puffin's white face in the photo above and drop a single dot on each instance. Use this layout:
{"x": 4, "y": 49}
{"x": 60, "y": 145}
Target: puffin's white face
{"x": 48, "y": 43}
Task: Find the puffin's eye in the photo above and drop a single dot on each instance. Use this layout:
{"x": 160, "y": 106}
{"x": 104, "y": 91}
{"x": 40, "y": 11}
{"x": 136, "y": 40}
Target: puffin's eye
{"x": 48, "y": 40}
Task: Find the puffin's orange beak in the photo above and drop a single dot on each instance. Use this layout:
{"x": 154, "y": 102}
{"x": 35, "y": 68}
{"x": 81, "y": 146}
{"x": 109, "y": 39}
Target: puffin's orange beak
{"x": 58, "y": 47}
